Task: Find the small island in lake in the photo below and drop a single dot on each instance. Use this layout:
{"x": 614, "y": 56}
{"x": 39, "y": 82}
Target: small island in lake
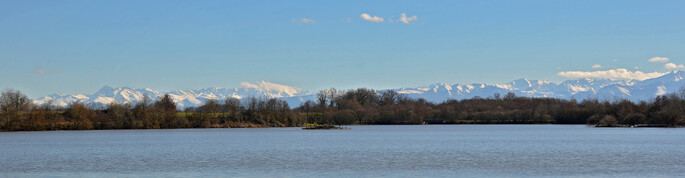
{"x": 323, "y": 127}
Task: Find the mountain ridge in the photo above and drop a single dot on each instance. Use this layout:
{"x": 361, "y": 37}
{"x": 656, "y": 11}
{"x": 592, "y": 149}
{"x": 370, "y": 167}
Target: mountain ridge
{"x": 579, "y": 89}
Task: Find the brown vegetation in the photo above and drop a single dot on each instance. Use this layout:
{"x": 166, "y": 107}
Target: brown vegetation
{"x": 360, "y": 106}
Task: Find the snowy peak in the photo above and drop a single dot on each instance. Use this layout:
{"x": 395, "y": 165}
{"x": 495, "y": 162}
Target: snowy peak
{"x": 271, "y": 87}
{"x": 437, "y": 87}
{"x": 527, "y": 85}
{"x": 674, "y": 76}
{"x": 521, "y": 84}
{"x": 104, "y": 91}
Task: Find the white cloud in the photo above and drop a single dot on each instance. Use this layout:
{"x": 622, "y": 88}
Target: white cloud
{"x": 370, "y": 18}
{"x": 597, "y": 66}
{"x": 41, "y": 71}
{"x": 611, "y": 74}
{"x": 406, "y": 20}
{"x": 304, "y": 21}
{"x": 659, "y": 59}
{"x": 673, "y": 66}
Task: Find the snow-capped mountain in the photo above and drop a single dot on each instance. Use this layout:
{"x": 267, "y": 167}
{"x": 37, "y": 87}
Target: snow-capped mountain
{"x": 579, "y": 89}
{"x": 183, "y": 98}
{"x": 103, "y": 96}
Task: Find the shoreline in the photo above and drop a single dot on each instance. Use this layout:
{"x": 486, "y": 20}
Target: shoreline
{"x": 342, "y": 127}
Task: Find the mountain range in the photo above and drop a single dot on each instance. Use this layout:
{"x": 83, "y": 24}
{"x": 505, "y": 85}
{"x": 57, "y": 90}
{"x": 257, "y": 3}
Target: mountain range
{"x": 579, "y": 89}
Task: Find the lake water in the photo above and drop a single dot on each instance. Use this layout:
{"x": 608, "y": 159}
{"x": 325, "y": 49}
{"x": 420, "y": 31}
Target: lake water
{"x": 363, "y": 151}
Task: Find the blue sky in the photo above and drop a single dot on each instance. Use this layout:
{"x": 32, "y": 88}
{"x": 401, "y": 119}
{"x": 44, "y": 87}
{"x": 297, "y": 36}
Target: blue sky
{"x": 79, "y": 46}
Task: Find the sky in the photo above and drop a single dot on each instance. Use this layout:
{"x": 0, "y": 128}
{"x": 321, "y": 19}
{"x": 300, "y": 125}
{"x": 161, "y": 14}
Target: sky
{"x": 74, "y": 47}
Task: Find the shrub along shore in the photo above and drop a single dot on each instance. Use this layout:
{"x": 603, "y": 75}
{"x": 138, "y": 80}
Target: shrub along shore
{"x": 352, "y": 107}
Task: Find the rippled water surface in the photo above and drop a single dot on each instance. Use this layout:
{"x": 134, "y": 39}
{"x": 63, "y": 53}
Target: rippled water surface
{"x": 363, "y": 151}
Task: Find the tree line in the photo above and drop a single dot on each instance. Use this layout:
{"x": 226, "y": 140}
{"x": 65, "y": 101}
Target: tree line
{"x": 332, "y": 107}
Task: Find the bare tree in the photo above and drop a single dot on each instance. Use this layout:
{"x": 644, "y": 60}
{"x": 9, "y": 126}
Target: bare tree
{"x": 510, "y": 96}
{"x": 13, "y": 100}
{"x": 332, "y": 95}
{"x": 497, "y": 96}
{"x": 211, "y": 106}
{"x": 80, "y": 115}
{"x": 142, "y": 112}
{"x": 232, "y": 105}
{"x": 322, "y": 96}
{"x": 389, "y": 97}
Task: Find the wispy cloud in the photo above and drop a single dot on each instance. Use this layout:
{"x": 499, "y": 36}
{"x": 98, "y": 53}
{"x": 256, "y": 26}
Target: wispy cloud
{"x": 41, "y": 71}
{"x": 406, "y": 20}
{"x": 304, "y": 21}
{"x": 659, "y": 59}
{"x": 611, "y": 74}
{"x": 597, "y": 66}
{"x": 370, "y": 18}
{"x": 671, "y": 66}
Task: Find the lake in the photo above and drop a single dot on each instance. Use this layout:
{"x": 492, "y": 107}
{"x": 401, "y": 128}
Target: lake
{"x": 363, "y": 151}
